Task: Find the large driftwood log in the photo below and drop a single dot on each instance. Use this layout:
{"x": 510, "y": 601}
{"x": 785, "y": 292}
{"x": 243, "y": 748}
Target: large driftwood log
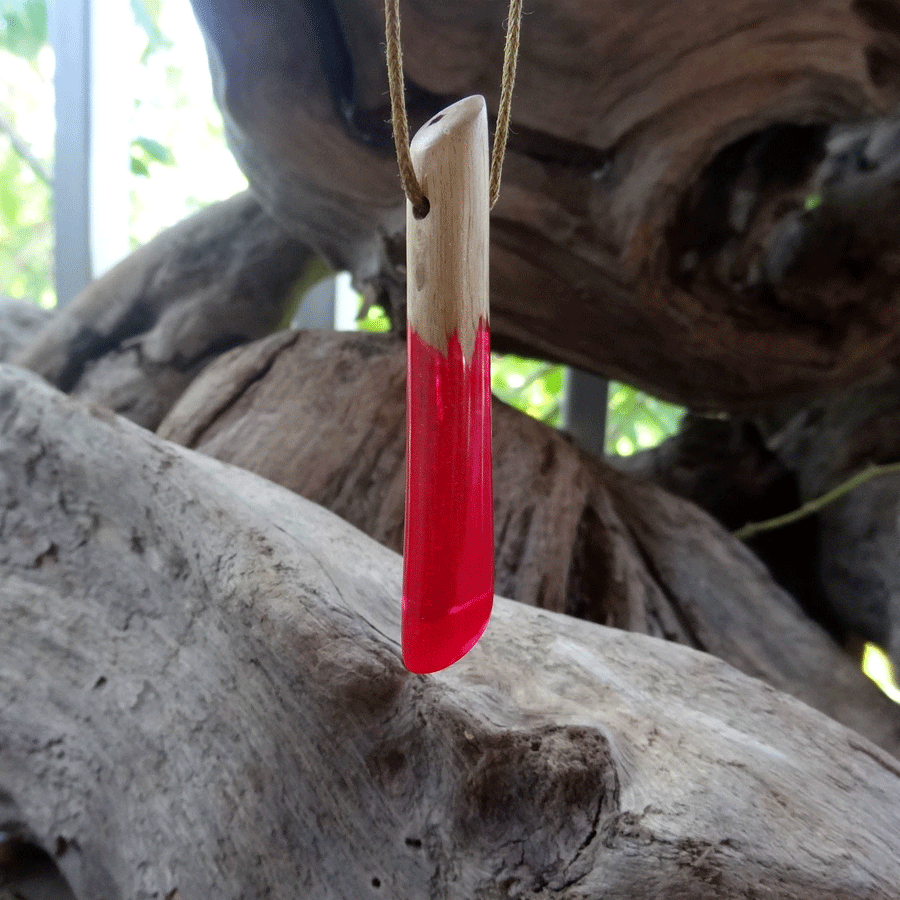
{"x": 323, "y": 415}
{"x": 134, "y": 339}
{"x": 203, "y": 696}
{"x": 660, "y": 166}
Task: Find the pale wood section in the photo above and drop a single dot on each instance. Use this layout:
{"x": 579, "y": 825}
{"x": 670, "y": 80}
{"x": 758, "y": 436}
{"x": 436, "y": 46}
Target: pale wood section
{"x": 447, "y": 250}
{"x": 203, "y": 692}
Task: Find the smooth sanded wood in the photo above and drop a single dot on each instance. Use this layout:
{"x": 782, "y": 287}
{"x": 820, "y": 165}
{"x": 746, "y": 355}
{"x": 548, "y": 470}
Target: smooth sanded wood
{"x": 447, "y": 250}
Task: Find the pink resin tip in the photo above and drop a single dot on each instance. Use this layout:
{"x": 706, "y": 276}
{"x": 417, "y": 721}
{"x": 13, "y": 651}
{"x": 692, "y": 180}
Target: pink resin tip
{"x": 448, "y": 547}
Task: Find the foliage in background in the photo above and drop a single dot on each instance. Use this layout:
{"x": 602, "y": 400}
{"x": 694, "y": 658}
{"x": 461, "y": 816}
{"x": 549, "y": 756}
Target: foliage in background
{"x": 372, "y": 318}
{"x": 24, "y": 27}
{"x": 530, "y": 385}
{"x": 178, "y": 158}
{"x": 636, "y": 421}
{"x": 877, "y": 665}
{"x": 26, "y": 148}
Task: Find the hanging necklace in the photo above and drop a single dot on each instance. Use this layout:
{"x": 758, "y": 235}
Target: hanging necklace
{"x": 448, "y": 546}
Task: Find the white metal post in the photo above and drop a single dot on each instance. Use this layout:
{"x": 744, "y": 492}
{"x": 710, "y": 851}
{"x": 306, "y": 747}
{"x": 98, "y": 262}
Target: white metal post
{"x": 584, "y": 409}
{"x": 90, "y": 185}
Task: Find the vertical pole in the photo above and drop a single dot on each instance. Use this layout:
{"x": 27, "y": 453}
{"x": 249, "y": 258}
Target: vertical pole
{"x": 317, "y": 309}
{"x": 585, "y": 408}
{"x": 70, "y": 36}
{"x": 90, "y": 189}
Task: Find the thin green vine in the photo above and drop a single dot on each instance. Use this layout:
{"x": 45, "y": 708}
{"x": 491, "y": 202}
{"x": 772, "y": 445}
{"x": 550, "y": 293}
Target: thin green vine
{"x": 818, "y": 503}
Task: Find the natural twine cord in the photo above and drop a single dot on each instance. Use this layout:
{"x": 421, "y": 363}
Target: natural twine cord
{"x": 411, "y": 186}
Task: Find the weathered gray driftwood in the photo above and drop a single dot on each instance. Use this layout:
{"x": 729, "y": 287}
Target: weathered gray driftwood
{"x": 203, "y": 693}
{"x": 135, "y": 338}
{"x": 19, "y": 322}
{"x": 323, "y": 415}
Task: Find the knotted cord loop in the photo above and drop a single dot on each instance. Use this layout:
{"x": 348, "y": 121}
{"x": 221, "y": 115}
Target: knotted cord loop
{"x": 411, "y": 186}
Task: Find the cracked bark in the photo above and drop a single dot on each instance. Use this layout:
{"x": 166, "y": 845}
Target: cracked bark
{"x": 204, "y": 695}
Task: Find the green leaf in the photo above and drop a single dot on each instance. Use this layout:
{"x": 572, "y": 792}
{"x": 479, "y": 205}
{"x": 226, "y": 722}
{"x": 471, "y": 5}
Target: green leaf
{"x": 23, "y": 27}
{"x": 139, "y": 167}
{"x": 146, "y": 15}
{"x": 637, "y": 421}
{"x": 375, "y": 319}
{"x": 154, "y": 150}
{"x": 13, "y": 7}
{"x": 553, "y": 381}
{"x": 10, "y": 203}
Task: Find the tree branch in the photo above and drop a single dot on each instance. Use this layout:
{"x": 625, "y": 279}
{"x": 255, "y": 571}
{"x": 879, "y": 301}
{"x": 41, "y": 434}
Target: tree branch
{"x": 573, "y": 535}
{"x": 20, "y": 146}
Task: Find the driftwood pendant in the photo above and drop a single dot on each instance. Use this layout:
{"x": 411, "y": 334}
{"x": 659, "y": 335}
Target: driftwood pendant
{"x": 448, "y": 552}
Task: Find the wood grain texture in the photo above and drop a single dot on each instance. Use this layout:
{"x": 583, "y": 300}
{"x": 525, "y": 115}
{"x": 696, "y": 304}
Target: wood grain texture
{"x": 656, "y": 147}
{"x": 323, "y": 415}
{"x": 447, "y": 250}
{"x": 135, "y": 338}
{"x": 726, "y": 467}
{"x": 203, "y": 694}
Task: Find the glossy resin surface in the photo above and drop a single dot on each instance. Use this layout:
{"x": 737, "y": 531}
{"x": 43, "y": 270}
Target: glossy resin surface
{"x": 448, "y": 553}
